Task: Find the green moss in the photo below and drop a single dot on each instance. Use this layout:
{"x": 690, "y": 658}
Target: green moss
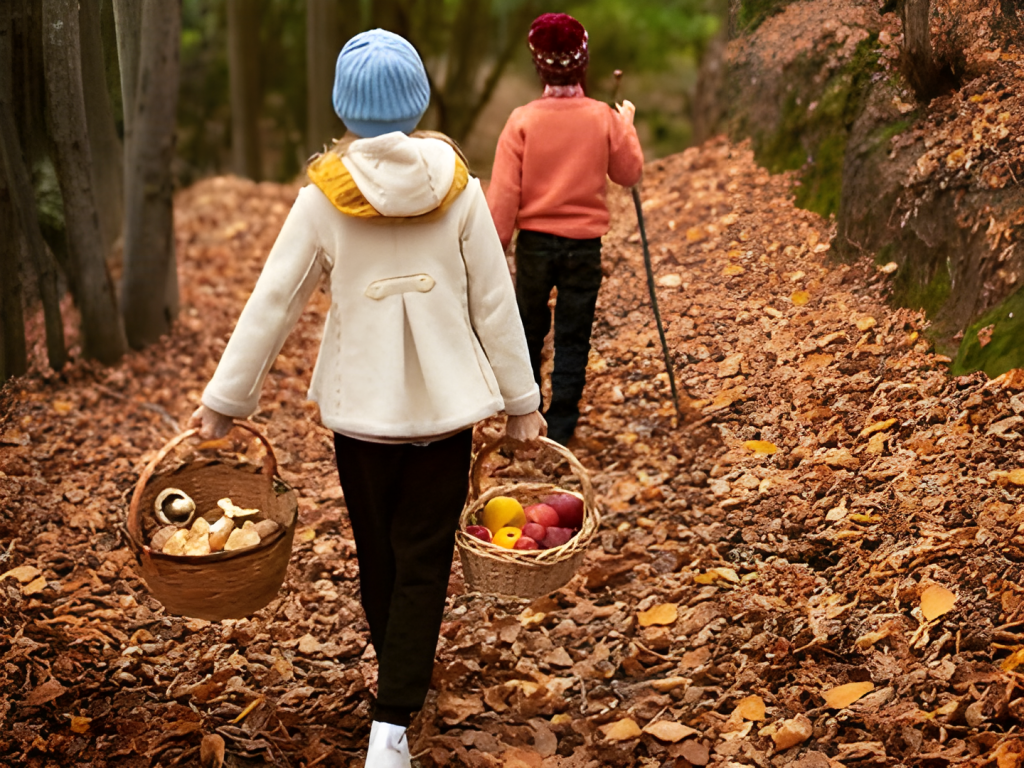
{"x": 821, "y": 185}
{"x": 1006, "y": 349}
{"x": 753, "y": 12}
{"x": 813, "y": 141}
{"x": 888, "y": 132}
{"x": 916, "y": 289}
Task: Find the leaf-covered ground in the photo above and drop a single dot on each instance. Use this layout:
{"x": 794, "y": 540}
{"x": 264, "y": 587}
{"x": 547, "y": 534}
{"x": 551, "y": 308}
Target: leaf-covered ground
{"x": 820, "y": 566}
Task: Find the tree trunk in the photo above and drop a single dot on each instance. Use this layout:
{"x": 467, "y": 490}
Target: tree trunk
{"x": 328, "y": 26}
{"x": 14, "y": 361}
{"x": 244, "y": 83}
{"x": 107, "y": 156}
{"x": 102, "y": 333}
{"x": 389, "y": 15}
{"x": 708, "y": 108}
{"x": 128, "y": 26}
{"x": 150, "y": 276}
{"x": 919, "y": 65}
{"x": 13, "y": 356}
{"x": 29, "y": 95}
{"x": 26, "y": 218}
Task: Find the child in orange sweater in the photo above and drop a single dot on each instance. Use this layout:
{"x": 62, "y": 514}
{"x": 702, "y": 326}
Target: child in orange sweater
{"x": 549, "y": 180}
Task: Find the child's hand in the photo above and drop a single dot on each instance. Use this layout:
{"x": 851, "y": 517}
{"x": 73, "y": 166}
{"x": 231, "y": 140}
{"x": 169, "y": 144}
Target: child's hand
{"x": 627, "y": 110}
{"x": 210, "y": 424}
{"x": 526, "y": 428}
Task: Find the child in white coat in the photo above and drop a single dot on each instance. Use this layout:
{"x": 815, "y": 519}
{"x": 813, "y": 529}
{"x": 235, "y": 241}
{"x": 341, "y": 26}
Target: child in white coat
{"x": 423, "y": 339}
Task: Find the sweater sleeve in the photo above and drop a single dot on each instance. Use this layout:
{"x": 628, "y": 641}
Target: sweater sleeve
{"x": 625, "y": 155}
{"x": 288, "y": 279}
{"x": 493, "y": 311}
{"x": 504, "y": 193}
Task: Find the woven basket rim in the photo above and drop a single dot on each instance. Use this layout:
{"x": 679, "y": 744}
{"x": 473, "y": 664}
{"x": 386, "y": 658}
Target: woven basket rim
{"x": 530, "y": 560}
{"x": 268, "y": 469}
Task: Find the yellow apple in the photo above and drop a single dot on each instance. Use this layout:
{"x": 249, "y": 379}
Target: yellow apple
{"x": 502, "y": 512}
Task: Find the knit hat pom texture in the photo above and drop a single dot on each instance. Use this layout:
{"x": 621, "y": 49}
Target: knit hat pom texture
{"x": 558, "y": 44}
{"x": 380, "y": 84}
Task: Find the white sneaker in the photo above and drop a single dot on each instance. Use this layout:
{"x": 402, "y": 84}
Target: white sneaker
{"x": 389, "y": 747}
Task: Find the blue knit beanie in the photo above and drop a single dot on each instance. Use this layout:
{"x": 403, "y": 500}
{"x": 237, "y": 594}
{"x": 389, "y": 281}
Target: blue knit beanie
{"x": 380, "y": 84}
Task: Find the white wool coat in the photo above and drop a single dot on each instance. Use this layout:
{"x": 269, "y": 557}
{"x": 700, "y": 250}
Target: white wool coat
{"x": 423, "y": 336}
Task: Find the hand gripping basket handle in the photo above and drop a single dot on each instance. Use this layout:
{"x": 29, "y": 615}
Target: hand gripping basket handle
{"x": 574, "y": 463}
{"x": 134, "y": 520}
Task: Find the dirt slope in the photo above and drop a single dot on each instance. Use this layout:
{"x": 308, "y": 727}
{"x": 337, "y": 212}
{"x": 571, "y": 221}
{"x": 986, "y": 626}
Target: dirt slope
{"x": 774, "y": 546}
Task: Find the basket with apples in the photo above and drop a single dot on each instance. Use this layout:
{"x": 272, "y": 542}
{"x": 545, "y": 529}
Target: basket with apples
{"x": 525, "y": 539}
{"x": 212, "y": 537}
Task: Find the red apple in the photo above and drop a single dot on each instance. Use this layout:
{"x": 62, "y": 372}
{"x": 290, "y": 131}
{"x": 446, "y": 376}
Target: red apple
{"x": 542, "y": 514}
{"x": 556, "y": 537}
{"x": 535, "y": 531}
{"x": 479, "y": 531}
{"x": 569, "y": 508}
{"x": 525, "y": 542}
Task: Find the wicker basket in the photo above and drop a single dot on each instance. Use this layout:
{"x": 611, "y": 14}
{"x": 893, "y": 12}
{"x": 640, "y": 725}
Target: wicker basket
{"x": 523, "y": 573}
{"x": 222, "y": 585}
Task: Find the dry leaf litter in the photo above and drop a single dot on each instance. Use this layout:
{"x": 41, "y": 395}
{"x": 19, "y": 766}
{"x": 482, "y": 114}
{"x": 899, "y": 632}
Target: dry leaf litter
{"x": 820, "y": 566}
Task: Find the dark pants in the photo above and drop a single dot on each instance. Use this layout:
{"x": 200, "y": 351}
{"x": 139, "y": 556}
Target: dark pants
{"x": 574, "y": 266}
{"x": 404, "y": 502}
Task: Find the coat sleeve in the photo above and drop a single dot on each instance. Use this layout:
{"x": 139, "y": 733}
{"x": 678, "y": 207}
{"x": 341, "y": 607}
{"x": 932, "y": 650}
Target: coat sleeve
{"x": 492, "y": 308}
{"x": 504, "y": 195}
{"x": 288, "y": 279}
{"x": 625, "y": 155}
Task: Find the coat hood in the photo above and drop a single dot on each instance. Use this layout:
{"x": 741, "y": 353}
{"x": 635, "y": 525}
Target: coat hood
{"x": 393, "y": 175}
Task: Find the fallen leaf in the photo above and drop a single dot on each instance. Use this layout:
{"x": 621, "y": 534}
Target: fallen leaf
{"x": 716, "y": 574}
{"x": 1016, "y": 476}
{"x": 663, "y": 614}
{"x": 211, "y": 751}
{"x": 761, "y": 446}
{"x": 936, "y": 601}
{"x": 866, "y": 641}
{"x": 666, "y": 684}
{"x": 22, "y": 574}
{"x": 792, "y": 732}
{"x": 670, "y": 731}
{"x": 80, "y": 724}
{"x": 750, "y": 708}
{"x": 694, "y": 752}
{"x": 670, "y": 281}
{"x": 44, "y": 693}
{"x": 843, "y": 696}
{"x": 1012, "y": 661}
{"x": 800, "y": 298}
{"x": 878, "y": 426}
{"x": 866, "y": 323}
{"x": 454, "y": 709}
{"x": 34, "y": 587}
{"x": 621, "y": 730}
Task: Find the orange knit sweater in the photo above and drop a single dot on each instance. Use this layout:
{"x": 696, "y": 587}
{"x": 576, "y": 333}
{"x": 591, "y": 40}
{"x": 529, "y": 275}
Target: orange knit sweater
{"x": 551, "y": 165}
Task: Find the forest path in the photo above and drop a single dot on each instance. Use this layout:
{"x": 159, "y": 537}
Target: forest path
{"x": 777, "y": 545}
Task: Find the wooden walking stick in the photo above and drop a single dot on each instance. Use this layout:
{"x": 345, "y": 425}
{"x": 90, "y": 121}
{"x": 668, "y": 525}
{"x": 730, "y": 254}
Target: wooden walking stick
{"x": 635, "y": 192}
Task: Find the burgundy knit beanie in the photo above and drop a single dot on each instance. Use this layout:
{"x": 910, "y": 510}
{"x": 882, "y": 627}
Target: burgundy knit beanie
{"x": 558, "y": 44}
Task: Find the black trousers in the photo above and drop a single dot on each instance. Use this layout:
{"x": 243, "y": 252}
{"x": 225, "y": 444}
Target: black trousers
{"x": 544, "y": 261}
{"x": 404, "y": 502}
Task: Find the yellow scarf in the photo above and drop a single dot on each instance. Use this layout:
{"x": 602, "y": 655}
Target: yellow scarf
{"x": 332, "y": 177}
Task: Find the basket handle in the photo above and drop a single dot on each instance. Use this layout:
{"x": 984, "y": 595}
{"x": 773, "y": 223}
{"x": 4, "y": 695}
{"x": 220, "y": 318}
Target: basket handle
{"x": 134, "y": 519}
{"x": 574, "y": 463}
